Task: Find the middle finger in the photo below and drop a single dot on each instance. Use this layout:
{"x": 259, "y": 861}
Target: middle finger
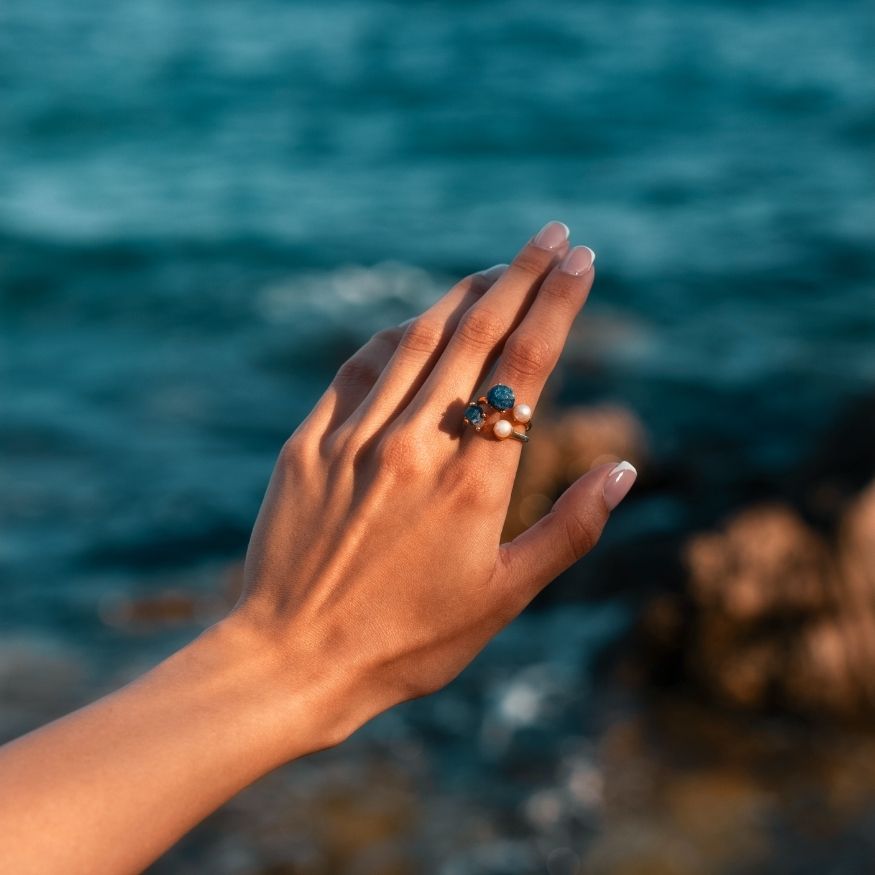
{"x": 481, "y": 333}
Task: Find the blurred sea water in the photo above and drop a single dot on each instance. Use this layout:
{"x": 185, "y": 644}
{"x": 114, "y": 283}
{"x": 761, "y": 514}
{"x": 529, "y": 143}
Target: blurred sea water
{"x": 206, "y": 206}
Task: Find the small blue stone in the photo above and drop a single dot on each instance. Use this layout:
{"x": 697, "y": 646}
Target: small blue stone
{"x": 501, "y": 397}
{"x": 475, "y": 415}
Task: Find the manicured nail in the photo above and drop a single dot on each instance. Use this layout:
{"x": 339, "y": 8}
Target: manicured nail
{"x": 619, "y": 483}
{"x": 492, "y": 273}
{"x": 578, "y": 261}
{"x": 551, "y": 236}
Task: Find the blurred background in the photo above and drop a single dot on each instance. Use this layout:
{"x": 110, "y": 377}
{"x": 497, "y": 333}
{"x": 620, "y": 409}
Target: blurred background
{"x": 206, "y": 206}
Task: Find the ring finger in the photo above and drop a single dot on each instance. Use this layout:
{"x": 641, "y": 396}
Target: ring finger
{"x": 531, "y": 352}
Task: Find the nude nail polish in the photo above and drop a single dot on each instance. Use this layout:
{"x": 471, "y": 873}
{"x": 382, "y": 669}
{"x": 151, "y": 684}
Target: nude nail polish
{"x": 551, "y": 236}
{"x": 578, "y": 261}
{"x": 618, "y": 484}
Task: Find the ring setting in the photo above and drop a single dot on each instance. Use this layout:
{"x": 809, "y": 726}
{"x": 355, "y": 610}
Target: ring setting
{"x": 475, "y": 415}
{"x": 502, "y": 399}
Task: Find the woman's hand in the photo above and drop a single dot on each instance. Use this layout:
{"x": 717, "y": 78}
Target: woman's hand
{"x": 374, "y": 575}
{"x": 375, "y": 567}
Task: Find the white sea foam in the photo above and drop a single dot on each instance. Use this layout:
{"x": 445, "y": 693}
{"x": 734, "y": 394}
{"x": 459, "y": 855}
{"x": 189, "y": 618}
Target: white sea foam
{"x": 353, "y": 296}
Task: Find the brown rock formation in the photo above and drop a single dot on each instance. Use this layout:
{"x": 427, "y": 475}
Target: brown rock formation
{"x": 776, "y": 614}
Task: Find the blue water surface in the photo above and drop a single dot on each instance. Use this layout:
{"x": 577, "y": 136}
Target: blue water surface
{"x": 205, "y": 206}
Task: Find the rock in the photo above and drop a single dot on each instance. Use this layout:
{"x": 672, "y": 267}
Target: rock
{"x": 765, "y": 560}
{"x": 692, "y": 788}
{"x": 170, "y": 607}
{"x": 776, "y": 614}
{"x": 197, "y": 600}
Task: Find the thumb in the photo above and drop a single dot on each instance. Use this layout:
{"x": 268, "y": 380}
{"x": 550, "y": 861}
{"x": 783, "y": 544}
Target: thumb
{"x": 569, "y": 531}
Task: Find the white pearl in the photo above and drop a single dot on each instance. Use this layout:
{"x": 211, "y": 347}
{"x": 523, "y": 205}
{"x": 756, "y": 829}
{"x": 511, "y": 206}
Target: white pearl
{"x": 522, "y": 413}
{"x": 502, "y": 429}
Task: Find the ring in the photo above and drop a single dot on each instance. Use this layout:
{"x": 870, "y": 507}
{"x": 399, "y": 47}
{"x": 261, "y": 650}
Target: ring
{"x": 502, "y": 399}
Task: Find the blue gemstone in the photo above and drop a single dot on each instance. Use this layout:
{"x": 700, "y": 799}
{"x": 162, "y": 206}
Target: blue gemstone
{"x": 501, "y": 397}
{"x": 474, "y": 415}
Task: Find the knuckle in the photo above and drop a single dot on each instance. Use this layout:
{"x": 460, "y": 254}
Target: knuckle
{"x": 389, "y": 336}
{"x": 477, "y": 283}
{"x": 357, "y": 370}
{"x": 481, "y": 328}
{"x": 532, "y": 262}
{"x": 422, "y": 336}
{"x": 469, "y": 488}
{"x": 528, "y": 355}
{"x": 483, "y": 280}
{"x": 293, "y": 455}
{"x": 399, "y": 454}
{"x": 581, "y": 533}
{"x": 563, "y": 289}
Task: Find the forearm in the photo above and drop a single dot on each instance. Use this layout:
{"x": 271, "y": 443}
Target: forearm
{"x": 110, "y": 787}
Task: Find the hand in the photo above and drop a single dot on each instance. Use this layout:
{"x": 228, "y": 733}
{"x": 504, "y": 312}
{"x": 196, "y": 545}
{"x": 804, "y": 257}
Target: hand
{"x": 375, "y": 568}
{"x": 374, "y": 574}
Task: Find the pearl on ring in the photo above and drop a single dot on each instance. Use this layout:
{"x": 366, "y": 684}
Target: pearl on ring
{"x": 522, "y": 413}
{"x": 502, "y": 429}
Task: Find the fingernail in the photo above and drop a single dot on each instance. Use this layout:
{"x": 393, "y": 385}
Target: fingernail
{"x": 578, "y": 261}
{"x": 493, "y": 273}
{"x": 551, "y": 236}
{"x": 619, "y": 483}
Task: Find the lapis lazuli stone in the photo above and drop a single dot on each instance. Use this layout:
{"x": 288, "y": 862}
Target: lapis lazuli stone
{"x": 475, "y": 415}
{"x": 501, "y": 397}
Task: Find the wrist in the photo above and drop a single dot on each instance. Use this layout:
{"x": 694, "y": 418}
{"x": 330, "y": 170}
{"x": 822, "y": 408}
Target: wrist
{"x": 299, "y": 698}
